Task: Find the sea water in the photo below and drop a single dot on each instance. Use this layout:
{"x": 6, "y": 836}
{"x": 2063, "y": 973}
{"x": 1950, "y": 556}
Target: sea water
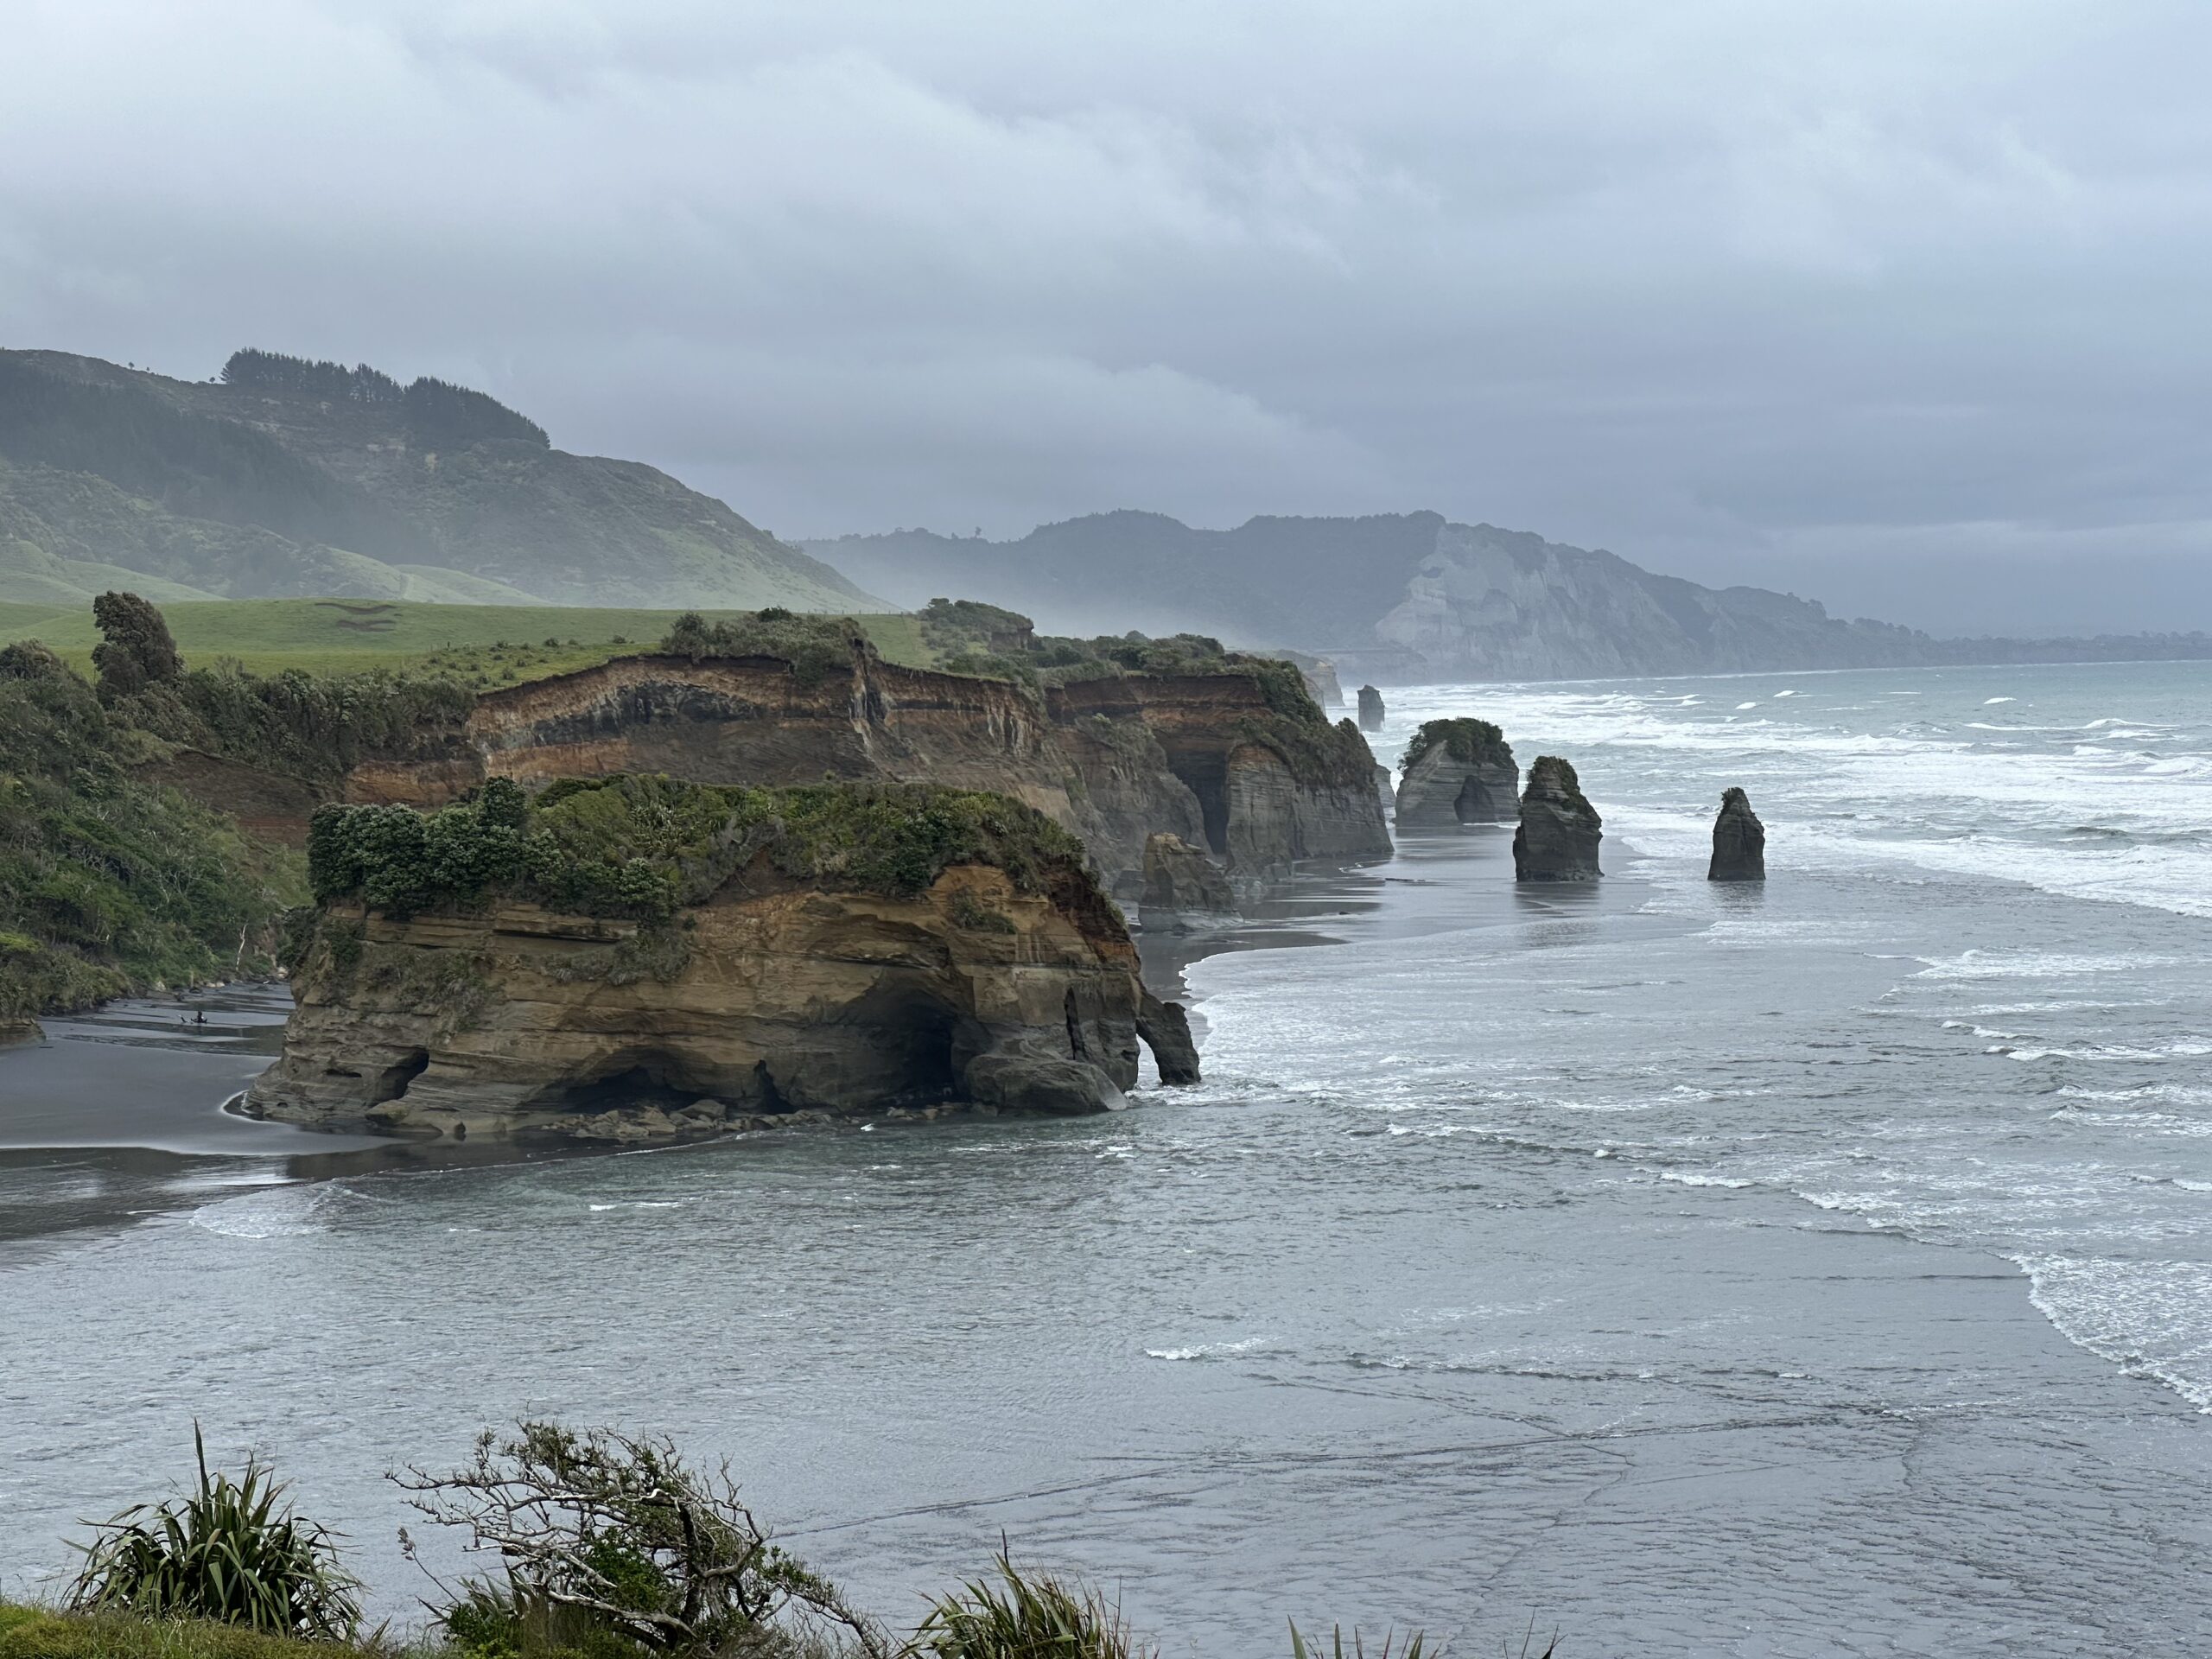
{"x": 1818, "y": 1267}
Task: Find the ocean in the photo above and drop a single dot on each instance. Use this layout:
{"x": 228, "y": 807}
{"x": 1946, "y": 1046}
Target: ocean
{"x": 1824, "y": 1267}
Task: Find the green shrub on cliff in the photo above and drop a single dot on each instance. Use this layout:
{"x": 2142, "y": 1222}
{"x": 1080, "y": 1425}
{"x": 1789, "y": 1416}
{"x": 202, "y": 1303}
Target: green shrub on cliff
{"x": 110, "y": 885}
{"x": 307, "y": 726}
{"x": 642, "y": 846}
{"x": 815, "y": 647}
{"x": 1465, "y": 738}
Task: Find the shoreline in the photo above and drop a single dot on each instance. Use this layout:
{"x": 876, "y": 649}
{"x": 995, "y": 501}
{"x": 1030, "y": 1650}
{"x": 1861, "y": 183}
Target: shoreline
{"x": 146, "y": 1129}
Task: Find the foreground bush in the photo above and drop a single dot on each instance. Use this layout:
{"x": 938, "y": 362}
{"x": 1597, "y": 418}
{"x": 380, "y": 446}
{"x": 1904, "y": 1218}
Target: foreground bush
{"x": 610, "y": 1544}
{"x": 1023, "y": 1617}
{"x": 231, "y": 1551}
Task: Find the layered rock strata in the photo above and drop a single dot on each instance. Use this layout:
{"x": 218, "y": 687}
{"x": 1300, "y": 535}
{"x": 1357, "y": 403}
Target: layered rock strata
{"x": 1182, "y": 886}
{"x": 1370, "y": 709}
{"x": 1458, "y": 771}
{"x": 1115, "y": 760}
{"x": 1738, "y": 841}
{"x": 1559, "y": 829}
{"x": 773, "y": 981}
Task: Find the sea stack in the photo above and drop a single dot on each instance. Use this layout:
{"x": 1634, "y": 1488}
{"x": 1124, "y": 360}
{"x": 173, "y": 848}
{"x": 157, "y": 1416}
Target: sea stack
{"x": 1180, "y": 884}
{"x": 1559, "y": 829}
{"x": 1738, "y": 841}
{"x": 1370, "y": 709}
{"x": 1458, "y": 771}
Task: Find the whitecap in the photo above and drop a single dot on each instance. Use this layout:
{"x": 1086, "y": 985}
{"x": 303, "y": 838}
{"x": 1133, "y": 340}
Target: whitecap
{"x": 1214, "y": 1350}
{"x": 1990, "y": 703}
{"x": 1686, "y": 1179}
{"x": 290, "y": 1212}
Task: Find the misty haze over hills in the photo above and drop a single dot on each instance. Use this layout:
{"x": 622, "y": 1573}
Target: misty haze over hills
{"x": 1412, "y": 596}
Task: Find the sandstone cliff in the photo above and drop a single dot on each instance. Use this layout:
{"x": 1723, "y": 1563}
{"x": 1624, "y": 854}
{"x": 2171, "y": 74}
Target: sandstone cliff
{"x": 641, "y": 956}
{"x": 1458, "y": 771}
{"x": 1272, "y": 783}
{"x": 1214, "y": 758}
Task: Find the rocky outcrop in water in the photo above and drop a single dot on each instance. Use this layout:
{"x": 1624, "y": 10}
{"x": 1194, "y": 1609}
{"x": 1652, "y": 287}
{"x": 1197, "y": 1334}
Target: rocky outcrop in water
{"x": 1385, "y": 787}
{"x": 1182, "y": 886}
{"x": 1738, "y": 841}
{"x": 1559, "y": 829}
{"x": 1458, "y": 771}
{"x": 1370, "y": 709}
{"x": 1165, "y": 1028}
{"x": 823, "y": 949}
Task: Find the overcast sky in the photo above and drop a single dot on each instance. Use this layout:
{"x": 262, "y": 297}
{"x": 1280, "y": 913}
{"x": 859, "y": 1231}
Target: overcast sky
{"x": 1905, "y": 306}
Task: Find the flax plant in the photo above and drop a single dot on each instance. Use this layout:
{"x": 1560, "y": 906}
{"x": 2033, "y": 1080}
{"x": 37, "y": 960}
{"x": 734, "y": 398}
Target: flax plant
{"x": 229, "y": 1551}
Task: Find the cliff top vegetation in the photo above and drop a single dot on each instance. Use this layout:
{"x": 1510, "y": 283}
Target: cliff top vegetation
{"x": 643, "y": 846}
{"x": 969, "y": 637}
{"x": 1552, "y": 772}
{"x": 1465, "y": 738}
{"x": 814, "y": 645}
{"x": 482, "y": 646}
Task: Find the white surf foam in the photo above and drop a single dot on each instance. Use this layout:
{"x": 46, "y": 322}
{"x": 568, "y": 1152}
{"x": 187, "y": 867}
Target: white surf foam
{"x": 291, "y": 1211}
{"x": 2154, "y": 1318}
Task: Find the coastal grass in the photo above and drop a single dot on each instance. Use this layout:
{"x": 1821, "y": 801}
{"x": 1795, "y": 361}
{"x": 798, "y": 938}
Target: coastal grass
{"x": 51, "y": 1633}
{"x": 484, "y": 646}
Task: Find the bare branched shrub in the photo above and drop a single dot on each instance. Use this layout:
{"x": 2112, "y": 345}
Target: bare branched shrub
{"x": 600, "y": 1533}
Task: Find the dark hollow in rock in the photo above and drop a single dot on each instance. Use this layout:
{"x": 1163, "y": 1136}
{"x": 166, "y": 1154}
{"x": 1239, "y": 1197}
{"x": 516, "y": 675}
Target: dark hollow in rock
{"x": 1370, "y": 709}
{"x": 1559, "y": 829}
{"x": 1738, "y": 841}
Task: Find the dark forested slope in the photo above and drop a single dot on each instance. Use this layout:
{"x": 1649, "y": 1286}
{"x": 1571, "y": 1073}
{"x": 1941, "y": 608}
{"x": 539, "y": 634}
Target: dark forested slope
{"x": 290, "y": 478}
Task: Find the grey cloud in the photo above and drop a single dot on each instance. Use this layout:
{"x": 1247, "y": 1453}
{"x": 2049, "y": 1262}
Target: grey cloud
{"x": 1889, "y": 303}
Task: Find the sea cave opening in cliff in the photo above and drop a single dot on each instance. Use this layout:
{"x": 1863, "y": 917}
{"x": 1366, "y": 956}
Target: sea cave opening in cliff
{"x": 1207, "y": 777}
{"x": 631, "y": 1081}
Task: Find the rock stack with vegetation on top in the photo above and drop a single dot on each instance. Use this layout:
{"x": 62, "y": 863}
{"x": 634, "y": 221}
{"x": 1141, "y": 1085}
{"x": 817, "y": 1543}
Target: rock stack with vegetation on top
{"x": 634, "y": 957}
{"x": 1738, "y": 841}
{"x": 1458, "y": 771}
{"x": 1559, "y": 829}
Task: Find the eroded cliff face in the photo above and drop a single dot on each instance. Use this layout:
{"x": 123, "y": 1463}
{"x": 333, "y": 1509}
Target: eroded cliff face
{"x": 770, "y": 998}
{"x": 1114, "y": 760}
{"x": 1270, "y": 790}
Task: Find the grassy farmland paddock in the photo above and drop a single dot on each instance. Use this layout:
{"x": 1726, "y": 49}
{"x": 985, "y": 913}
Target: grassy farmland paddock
{"x": 498, "y": 642}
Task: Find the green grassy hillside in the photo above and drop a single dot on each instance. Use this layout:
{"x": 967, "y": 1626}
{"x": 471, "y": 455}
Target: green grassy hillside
{"x": 339, "y": 636}
{"x": 289, "y": 479}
